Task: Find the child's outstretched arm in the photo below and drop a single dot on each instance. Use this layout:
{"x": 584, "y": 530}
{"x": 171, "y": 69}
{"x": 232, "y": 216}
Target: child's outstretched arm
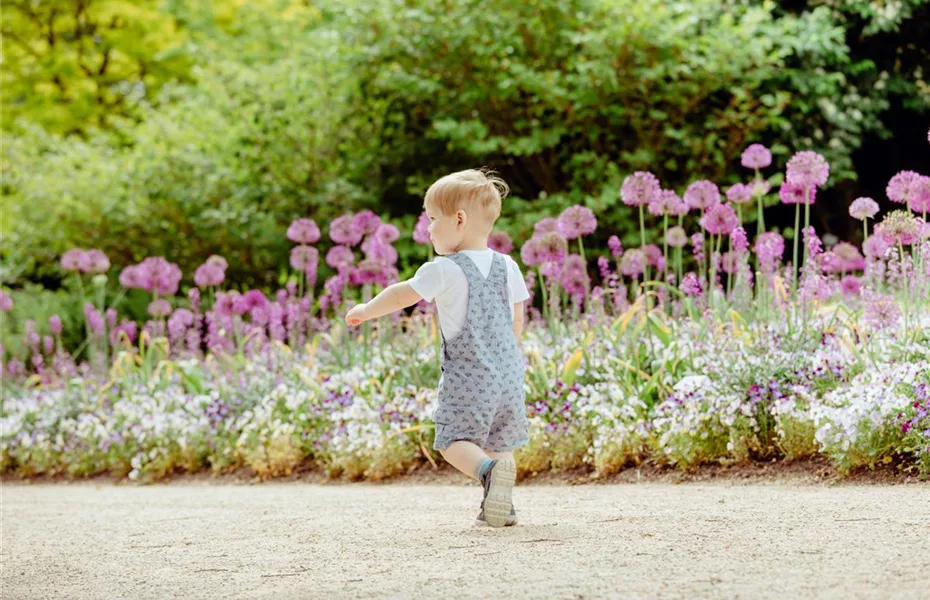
{"x": 392, "y": 298}
{"x": 518, "y": 310}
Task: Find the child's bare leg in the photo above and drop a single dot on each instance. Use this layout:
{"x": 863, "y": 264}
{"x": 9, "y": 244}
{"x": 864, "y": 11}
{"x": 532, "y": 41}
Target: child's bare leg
{"x": 466, "y": 457}
{"x": 499, "y": 455}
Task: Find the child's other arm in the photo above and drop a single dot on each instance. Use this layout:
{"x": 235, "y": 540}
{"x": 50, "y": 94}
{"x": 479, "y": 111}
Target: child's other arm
{"x": 518, "y": 308}
{"x": 391, "y": 299}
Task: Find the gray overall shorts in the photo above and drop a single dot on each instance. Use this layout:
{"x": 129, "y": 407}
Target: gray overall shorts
{"x": 481, "y": 395}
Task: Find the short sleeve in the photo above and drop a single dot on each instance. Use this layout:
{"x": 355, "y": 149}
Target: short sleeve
{"x": 428, "y": 281}
{"x": 518, "y": 290}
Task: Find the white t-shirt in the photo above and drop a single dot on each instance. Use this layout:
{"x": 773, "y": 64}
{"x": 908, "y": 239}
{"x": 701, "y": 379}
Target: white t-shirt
{"x": 444, "y": 281}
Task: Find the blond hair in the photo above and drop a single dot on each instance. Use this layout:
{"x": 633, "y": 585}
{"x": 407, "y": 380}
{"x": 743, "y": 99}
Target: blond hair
{"x": 469, "y": 190}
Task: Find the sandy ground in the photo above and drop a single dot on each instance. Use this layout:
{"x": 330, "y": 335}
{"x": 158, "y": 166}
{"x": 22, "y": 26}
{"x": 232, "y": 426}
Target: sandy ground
{"x": 298, "y": 540}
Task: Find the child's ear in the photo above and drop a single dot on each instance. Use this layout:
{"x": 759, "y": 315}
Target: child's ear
{"x": 462, "y": 217}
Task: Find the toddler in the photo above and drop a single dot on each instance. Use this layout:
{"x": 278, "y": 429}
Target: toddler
{"x": 479, "y": 293}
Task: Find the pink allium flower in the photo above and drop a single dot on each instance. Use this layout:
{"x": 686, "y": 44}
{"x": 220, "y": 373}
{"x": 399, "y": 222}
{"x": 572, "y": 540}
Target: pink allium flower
{"x": 387, "y": 233}
{"x": 697, "y": 246}
{"x": 94, "y": 261}
{"x": 903, "y": 186}
{"x": 500, "y": 242}
{"x": 304, "y": 258}
{"x": 576, "y": 221}
{"x": 616, "y": 248}
{"x": 250, "y": 301}
{"x": 739, "y": 240}
{"x": 131, "y": 277}
{"x": 226, "y": 303}
{"x": 366, "y": 222}
{"x": 702, "y": 194}
{"x": 633, "y": 263}
{"x": 379, "y": 251}
{"x": 882, "y": 311}
{"x": 421, "y": 230}
{"x": 208, "y": 275}
{"x": 94, "y": 318}
{"x": 691, "y": 285}
{"x": 807, "y": 169}
{"x": 574, "y": 277}
{"x": 159, "y": 308}
{"x": 54, "y": 324}
{"x": 676, "y": 237}
{"x": 770, "y": 247}
{"x": 729, "y": 262}
{"x": 794, "y": 194}
{"x": 756, "y": 156}
{"x": 341, "y": 231}
{"x": 340, "y": 256}
{"x": 545, "y": 226}
{"x": 875, "y": 246}
{"x": 639, "y": 189}
{"x": 125, "y": 332}
{"x": 848, "y": 257}
{"x": 667, "y": 203}
{"x": 154, "y": 274}
{"x": 217, "y": 260}
{"x": 863, "y": 208}
{"x": 71, "y": 260}
{"x": 531, "y": 253}
{"x": 850, "y": 285}
{"x": 303, "y": 231}
{"x": 739, "y": 193}
{"x": 553, "y": 247}
{"x": 920, "y": 199}
{"x": 720, "y": 219}
{"x": 653, "y": 255}
{"x": 899, "y": 227}
{"x": 6, "y": 302}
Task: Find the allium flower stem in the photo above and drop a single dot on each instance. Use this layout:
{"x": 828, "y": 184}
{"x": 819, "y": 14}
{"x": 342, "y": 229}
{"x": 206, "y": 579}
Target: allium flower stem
{"x": 807, "y": 215}
{"x": 794, "y": 256}
{"x": 759, "y": 203}
{"x": 642, "y": 237}
{"x": 665, "y": 243}
{"x": 679, "y": 253}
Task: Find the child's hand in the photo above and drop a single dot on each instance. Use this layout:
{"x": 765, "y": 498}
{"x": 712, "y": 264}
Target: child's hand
{"x": 356, "y": 316}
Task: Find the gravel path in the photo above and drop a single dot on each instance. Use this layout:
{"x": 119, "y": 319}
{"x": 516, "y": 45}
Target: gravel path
{"x": 297, "y": 540}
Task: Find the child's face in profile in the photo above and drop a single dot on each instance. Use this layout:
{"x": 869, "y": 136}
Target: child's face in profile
{"x": 445, "y": 231}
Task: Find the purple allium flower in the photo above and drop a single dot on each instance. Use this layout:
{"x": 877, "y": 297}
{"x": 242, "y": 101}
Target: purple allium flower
{"x": 616, "y": 248}
{"x": 94, "y": 319}
{"x": 71, "y": 260}
{"x": 574, "y": 275}
{"x": 654, "y": 255}
{"x": 304, "y": 258}
{"x": 633, "y": 263}
{"x": 899, "y": 227}
{"x": 850, "y": 286}
{"x": 531, "y": 253}
{"x": 702, "y": 194}
{"x": 848, "y": 257}
{"x": 303, "y": 231}
{"x": 341, "y": 231}
{"x": 729, "y": 262}
{"x": 111, "y": 317}
{"x": 667, "y": 203}
{"x": 739, "y": 193}
{"x": 875, "y": 246}
{"x": 691, "y": 285}
{"x": 739, "y": 240}
{"x": 154, "y": 274}
{"x": 159, "y": 308}
{"x": 421, "y": 230}
{"x": 340, "y": 256}
{"x": 6, "y": 302}
{"x": 882, "y": 311}
{"x": 544, "y": 226}
{"x": 769, "y": 247}
{"x": 807, "y": 169}
{"x": 366, "y": 222}
{"x": 367, "y": 271}
{"x": 378, "y": 251}
{"x": 720, "y": 219}
{"x": 208, "y": 275}
{"x": 756, "y": 156}
{"x": 863, "y": 208}
{"x": 576, "y": 221}
{"x": 903, "y": 186}
{"x": 250, "y": 301}
{"x": 500, "y": 242}
{"x": 93, "y": 261}
{"x": 640, "y": 189}
{"x": 919, "y": 201}
{"x": 794, "y": 194}
{"x": 388, "y": 233}
{"x": 54, "y": 324}
{"x": 676, "y": 237}
{"x": 553, "y": 248}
